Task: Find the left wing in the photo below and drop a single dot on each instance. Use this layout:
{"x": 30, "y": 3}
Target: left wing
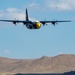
{"x": 16, "y": 21}
{"x": 53, "y": 22}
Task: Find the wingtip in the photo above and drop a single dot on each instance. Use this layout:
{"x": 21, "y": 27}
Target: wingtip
{"x": 69, "y": 21}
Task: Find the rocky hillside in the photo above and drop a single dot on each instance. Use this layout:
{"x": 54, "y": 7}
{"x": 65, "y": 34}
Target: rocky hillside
{"x": 57, "y": 64}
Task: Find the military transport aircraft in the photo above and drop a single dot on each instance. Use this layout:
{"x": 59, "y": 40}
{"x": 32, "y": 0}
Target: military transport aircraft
{"x": 33, "y": 24}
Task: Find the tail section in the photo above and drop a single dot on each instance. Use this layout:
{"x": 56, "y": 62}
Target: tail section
{"x": 27, "y": 15}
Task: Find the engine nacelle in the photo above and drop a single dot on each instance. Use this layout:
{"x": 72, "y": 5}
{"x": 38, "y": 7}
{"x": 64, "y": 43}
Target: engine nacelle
{"x": 14, "y": 23}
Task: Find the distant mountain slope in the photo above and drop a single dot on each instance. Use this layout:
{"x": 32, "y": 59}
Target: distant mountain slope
{"x": 66, "y": 73}
{"x": 57, "y": 64}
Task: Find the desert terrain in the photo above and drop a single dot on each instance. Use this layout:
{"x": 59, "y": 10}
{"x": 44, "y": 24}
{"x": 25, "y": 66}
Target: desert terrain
{"x": 57, "y": 64}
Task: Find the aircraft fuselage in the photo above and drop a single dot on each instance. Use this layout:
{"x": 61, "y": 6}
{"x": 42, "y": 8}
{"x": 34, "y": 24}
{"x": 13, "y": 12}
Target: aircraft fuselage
{"x": 33, "y": 25}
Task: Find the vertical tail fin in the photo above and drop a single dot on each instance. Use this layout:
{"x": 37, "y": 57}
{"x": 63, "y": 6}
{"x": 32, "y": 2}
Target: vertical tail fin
{"x": 27, "y": 15}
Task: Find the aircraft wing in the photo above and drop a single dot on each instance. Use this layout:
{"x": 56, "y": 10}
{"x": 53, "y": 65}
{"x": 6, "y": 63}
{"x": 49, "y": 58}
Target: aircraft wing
{"x": 53, "y": 22}
{"x": 16, "y": 21}
{"x": 25, "y": 22}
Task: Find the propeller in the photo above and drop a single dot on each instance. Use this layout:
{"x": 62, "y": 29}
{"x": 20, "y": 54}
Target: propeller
{"x": 14, "y": 23}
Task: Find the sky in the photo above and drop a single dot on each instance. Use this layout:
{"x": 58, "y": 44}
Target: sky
{"x": 21, "y": 43}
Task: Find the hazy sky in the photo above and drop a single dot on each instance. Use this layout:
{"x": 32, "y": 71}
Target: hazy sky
{"x": 20, "y": 42}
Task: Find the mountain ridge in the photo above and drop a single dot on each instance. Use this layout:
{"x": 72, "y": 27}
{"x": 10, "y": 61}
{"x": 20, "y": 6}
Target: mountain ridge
{"x": 57, "y": 64}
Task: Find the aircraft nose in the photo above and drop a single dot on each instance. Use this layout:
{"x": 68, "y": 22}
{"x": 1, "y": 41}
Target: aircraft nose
{"x": 38, "y": 25}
